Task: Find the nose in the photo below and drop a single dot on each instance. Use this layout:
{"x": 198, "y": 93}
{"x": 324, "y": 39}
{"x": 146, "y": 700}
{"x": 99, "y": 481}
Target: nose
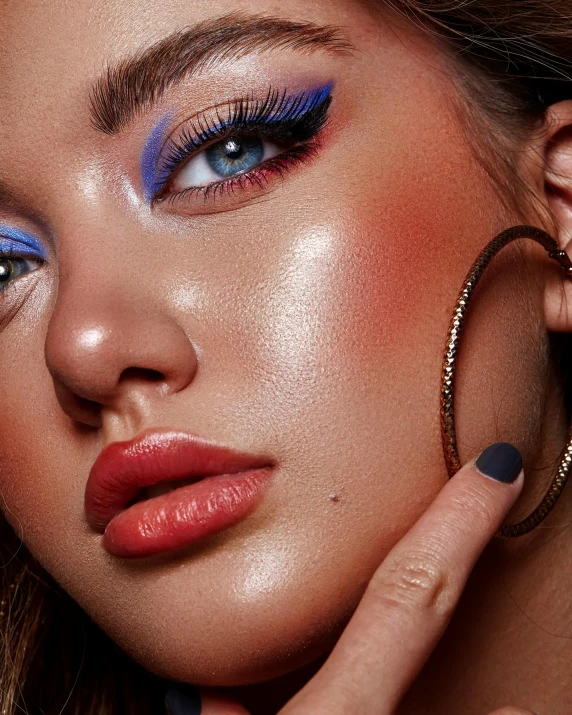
{"x": 104, "y": 348}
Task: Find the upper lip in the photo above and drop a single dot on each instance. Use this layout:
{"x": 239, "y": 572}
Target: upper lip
{"x": 123, "y": 469}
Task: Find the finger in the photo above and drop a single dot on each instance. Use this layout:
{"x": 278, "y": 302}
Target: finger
{"x": 411, "y": 597}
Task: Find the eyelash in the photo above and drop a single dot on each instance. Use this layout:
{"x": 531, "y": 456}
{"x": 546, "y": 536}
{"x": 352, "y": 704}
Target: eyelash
{"x": 279, "y": 118}
{"x": 13, "y": 254}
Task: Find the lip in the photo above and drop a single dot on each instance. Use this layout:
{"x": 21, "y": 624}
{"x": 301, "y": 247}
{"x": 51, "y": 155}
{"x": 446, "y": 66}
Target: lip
{"x": 221, "y": 488}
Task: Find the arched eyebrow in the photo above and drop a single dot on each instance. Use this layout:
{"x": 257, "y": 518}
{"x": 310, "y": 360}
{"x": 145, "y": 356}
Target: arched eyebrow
{"x": 134, "y": 84}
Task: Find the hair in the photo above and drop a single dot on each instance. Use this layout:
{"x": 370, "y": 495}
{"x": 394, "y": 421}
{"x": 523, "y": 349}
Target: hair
{"x": 515, "y": 58}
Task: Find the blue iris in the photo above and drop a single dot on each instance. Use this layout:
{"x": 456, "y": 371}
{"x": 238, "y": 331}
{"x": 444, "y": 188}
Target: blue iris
{"x": 235, "y": 155}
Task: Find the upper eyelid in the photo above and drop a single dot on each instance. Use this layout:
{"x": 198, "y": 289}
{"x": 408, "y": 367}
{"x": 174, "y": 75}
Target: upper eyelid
{"x": 317, "y": 95}
{"x": 16, "y": 241}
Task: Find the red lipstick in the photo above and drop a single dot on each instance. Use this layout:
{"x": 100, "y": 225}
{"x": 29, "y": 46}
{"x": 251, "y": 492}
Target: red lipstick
{"x": 219, "y": 487}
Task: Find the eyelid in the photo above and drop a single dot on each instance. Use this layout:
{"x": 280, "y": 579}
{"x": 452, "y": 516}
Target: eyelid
{"x": 150, "y": 158}
{"x": 277, "y": 107}
{"x": 17, "y": 242}
{"x": 290, "y": 107}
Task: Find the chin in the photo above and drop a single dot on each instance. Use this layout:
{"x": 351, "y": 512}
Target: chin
{"x": 235, "y": 645}
{"x": 231, "y": 614}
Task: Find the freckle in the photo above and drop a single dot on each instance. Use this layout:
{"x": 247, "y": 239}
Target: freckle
{"x": 334, "y": 497}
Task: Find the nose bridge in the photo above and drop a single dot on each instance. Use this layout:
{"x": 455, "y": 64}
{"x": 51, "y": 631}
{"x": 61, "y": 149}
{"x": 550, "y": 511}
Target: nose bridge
{"x": 108, "y": 323}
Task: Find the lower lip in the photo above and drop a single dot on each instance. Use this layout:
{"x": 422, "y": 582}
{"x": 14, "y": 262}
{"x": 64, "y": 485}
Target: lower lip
{"x": 185, "y": 515}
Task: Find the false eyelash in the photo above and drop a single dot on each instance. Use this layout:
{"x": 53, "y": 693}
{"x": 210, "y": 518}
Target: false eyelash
{"x": 277, "y": 117}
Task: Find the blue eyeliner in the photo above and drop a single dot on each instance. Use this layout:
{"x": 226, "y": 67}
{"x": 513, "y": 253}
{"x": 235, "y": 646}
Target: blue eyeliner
{"x": 279, "y": 114}
{"x": 14, "y": 241}
{"x": 298, "y": 106}
{"x": 149, "y": 158}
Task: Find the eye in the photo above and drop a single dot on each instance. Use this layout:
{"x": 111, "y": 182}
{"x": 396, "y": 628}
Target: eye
{"x": 227, "y": 155}
{"x": 12, "y": 268}
{"x": 225, "y": 159}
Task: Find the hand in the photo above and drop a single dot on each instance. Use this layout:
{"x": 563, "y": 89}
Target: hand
{"x": 410, "y": 598}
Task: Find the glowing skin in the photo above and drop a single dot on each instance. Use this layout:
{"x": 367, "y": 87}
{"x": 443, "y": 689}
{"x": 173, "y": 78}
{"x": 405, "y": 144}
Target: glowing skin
{"x": 303, "y": 319}
{"x": 13, "y": 241}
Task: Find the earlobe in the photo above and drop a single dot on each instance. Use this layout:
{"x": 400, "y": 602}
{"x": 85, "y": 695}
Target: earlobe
{"x": 558, "y": 189}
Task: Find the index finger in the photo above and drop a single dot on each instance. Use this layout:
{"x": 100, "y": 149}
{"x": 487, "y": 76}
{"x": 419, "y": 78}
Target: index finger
{"x": 412, "y": 595}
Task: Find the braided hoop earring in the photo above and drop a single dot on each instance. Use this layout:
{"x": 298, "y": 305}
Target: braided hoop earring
{"x": 448, "y": 434}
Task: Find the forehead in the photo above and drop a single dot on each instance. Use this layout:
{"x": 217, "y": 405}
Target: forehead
{"x": 51, "y": 51}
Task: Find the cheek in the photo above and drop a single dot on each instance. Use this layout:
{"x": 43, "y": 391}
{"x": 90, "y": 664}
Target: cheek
{"x": 357, "y": 311}
{"x": 43, "y": 455}
{"x": 41, "y": 469}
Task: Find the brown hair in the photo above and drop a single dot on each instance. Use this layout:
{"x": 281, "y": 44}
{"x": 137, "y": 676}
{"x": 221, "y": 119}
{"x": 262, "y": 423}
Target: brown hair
{"x": 54, "y": 658}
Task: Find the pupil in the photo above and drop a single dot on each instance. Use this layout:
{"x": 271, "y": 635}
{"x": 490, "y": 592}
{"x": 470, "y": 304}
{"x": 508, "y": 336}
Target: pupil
{"x": 5, "y": 271}
{"x": 233, "y": 149}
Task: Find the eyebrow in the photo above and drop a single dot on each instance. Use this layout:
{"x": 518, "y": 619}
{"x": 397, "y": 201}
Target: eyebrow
{"x": 134, "y": 84}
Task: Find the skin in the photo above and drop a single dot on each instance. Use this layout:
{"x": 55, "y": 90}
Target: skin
{"x": 308, "y": 325}
{"x": 406, "y": 606}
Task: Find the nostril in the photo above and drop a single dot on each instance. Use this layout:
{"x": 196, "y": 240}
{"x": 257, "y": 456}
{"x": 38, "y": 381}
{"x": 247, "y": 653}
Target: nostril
{"x": 109, "y": 353}
{"x": 141, "y": 374}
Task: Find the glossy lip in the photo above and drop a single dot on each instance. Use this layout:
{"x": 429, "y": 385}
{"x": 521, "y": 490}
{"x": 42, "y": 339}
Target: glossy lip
{"x": 221, "y": 488}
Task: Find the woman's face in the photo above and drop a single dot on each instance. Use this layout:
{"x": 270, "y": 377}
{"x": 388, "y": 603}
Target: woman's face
{"x": 296, "y": 311}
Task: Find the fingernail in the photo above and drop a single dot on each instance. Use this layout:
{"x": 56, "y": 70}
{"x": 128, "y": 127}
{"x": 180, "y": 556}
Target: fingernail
{"x": 501, "y": 462}
{"x": 183, "y": 700}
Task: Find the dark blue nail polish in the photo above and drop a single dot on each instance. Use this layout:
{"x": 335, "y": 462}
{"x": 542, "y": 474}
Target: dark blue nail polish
{"x": 501, "y": 462}
{"x": 183, "y": 700}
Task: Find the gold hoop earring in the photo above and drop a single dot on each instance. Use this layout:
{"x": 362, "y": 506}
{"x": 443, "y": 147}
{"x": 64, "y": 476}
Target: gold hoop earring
{"x": 448, "y": 434}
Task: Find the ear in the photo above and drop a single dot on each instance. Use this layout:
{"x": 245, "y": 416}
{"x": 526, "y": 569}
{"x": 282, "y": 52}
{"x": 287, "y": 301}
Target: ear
{"x": 558, "y": 193}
